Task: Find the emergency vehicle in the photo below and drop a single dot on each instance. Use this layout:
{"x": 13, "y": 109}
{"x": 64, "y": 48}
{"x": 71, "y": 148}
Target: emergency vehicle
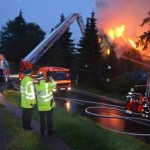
{"x": 60, "y": 74}
{"x": 134, "y": 103}
{"x": 137, "y": 103}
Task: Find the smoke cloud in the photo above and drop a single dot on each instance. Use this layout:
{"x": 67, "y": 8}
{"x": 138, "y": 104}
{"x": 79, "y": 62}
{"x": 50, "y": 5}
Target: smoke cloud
{"x": 114, "y": 13}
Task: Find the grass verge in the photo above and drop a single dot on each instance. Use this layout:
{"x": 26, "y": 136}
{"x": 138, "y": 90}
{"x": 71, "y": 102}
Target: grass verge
{"x": 18, "y": 138}
{"x": 96, "y": 91}
{"x": 83, "y": 134}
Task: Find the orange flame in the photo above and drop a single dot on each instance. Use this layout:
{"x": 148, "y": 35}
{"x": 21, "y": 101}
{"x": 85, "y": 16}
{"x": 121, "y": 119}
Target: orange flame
{"x": 132, "y": 43}
{"x": 119, "y": 32}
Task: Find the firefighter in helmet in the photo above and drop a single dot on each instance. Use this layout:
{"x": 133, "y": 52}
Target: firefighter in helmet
{"x": 129, "y": 96}
{"x": 145, "y": 110}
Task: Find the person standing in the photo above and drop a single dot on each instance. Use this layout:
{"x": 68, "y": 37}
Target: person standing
{"x": 3, "y": 74}
{"x": 45, "y": 103}
{"x": 2, "y": 82}
{"x": 28, "y": 99}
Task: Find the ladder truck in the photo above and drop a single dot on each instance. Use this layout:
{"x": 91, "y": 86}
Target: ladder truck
{"x": 61, "y": 75}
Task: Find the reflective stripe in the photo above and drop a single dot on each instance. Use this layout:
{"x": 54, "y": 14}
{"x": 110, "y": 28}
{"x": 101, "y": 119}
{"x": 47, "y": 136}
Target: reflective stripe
{"x": 46, "y": 92}
{"x": 44, "y": 100}
{"x": 24, "y": 90}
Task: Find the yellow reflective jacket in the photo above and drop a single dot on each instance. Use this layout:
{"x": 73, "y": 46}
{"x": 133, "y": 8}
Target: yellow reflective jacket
{"x": 44, "y": 95}
{"x": 28, "y": 99}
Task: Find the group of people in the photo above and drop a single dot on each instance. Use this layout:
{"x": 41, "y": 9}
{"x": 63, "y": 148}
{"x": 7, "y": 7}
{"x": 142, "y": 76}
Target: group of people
{"x": 37, "y": 94}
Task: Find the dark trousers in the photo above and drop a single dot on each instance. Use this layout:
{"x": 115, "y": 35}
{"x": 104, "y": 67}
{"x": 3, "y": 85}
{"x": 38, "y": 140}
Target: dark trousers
{"x": 46, "y": 120}
{"x": 26, "y": 118}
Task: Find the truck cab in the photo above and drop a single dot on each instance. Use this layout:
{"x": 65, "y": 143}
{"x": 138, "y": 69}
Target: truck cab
{"x": 60, "y": 75}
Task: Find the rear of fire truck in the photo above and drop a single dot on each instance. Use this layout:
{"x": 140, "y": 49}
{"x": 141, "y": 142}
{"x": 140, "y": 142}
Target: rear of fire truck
{"x": 139, "y": 104}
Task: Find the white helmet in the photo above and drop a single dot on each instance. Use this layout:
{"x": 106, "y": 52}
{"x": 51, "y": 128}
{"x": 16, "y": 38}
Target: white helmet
{"x": 129, "y": 93}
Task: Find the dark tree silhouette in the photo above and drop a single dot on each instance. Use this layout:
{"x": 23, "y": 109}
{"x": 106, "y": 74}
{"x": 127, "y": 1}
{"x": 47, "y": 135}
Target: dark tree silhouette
{"x": 18, "y": 38}
{"x": 144, "y": 39}
{"x": 89, "y": 49}
{"x": 90, "y": 53}
{"x": 61, "y": 53}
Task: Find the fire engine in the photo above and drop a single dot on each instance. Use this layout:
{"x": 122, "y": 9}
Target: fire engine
{"x": 137, "y": 103}
{"x": 61, "y": 75}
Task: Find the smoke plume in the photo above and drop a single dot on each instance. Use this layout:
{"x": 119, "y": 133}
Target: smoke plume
{"x": 114, "y": 13}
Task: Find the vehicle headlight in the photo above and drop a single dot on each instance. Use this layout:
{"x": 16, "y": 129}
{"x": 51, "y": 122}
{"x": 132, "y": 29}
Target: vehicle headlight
{"x": 54, "y": 90}
{"x": 69, "y": 88}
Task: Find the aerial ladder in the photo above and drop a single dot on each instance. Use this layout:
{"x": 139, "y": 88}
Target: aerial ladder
{"x": 61, "y": 75}
{"x": 45, "y": 45}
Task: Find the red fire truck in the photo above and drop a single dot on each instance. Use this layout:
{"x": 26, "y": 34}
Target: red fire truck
{"x": 137, "y": 103}
{"x": 61, "y": 75}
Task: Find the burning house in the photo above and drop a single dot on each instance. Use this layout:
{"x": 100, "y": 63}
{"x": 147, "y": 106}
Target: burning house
{"x": 120, "y": 22}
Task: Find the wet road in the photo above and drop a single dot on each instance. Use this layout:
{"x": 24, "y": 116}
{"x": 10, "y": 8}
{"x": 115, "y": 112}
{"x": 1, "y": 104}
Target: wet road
{"x": 108, "y": 114}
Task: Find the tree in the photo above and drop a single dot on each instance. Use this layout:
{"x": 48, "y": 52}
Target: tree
{"x": 144, "y": 39}
{"x": 90, "y": 52}
{"x": 18, "y": 38}
{"x": 111, "y": 63}
{"x": 61, "y": 53}
{"x": 83, "y": 46}
{"x": 89, "y": 48}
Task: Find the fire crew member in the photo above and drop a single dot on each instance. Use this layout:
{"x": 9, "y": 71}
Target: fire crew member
{"x": 45, "y": 103}
{"x": 28, "y": 99}
{"x": 2, "y": 82}
{"x": 129, "y": 96}
{"x": 145, "y": 110}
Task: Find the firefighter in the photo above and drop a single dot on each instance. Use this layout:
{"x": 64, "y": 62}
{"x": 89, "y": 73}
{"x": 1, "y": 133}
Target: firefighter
{"x": 129, "y": 96}
{"x": 145, "y": 110}
{"x": 28, "y": 99}
{"x": 128, "y": 103}
{"x": 2, "y": 82}
{"x": 45, "y": 103}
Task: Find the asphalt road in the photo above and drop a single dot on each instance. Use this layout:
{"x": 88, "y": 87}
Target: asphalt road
{"x": 107, "y": 112}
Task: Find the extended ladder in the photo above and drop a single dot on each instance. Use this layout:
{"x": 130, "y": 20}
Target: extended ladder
{"x": 42, "y": 47}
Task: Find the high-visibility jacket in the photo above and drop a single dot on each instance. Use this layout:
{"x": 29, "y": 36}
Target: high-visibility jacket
{"x": 27, "y": 90}
{"x": 44, "y": 95}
